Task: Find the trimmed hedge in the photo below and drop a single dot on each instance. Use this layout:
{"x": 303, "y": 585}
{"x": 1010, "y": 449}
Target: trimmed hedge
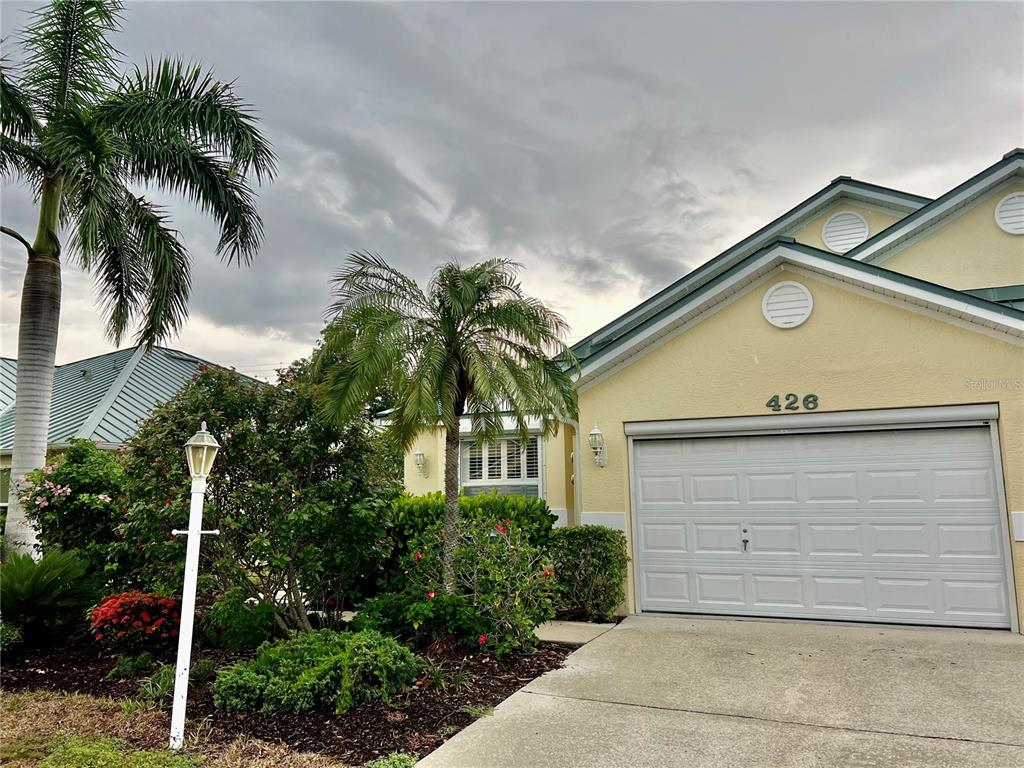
{"x": 413, "y": 516}
{"x": 590, "y": 570}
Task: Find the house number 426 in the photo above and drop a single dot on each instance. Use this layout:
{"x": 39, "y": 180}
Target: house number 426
{"x": 791, "y": 402}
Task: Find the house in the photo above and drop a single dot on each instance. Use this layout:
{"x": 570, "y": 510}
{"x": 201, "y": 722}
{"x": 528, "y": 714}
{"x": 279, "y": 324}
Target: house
{"x": 824, "y": 421}
{"x": 101, "y": 398}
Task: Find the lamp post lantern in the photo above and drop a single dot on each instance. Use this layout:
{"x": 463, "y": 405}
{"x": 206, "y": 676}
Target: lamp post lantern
{"x": 200, "y": 451}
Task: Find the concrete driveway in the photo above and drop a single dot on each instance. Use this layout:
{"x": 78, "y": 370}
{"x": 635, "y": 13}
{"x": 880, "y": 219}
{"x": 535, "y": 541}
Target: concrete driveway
{"x": 704, "y": 693}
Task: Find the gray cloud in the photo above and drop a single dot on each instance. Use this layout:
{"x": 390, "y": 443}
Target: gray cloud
{"x": 608, "y": 147}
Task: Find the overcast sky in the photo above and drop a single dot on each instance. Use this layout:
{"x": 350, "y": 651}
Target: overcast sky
{"x": 609, "y": 148}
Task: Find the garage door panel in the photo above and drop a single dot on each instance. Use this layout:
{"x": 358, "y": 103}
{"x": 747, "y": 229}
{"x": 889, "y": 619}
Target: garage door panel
{"x": 876, "y": 526}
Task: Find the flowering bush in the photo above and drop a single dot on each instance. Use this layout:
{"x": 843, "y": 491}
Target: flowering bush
{"x": 504, "y": 587}
{"x": 75, "y": 500}
{"x": 135, "y": 620}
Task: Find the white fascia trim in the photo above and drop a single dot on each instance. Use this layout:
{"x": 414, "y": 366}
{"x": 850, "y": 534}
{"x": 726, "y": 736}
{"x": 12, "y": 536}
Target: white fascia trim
{"x": 899, "y": 233}
{"x": 700, "y": 306}
{"x": 688, "y": 311}
{"x": 816, "y": 422}
{"x": 739, "y": 251}
{"x": 91, "y": 423}
{"x": 508, "y": 424}
{"x": 890, "y": 286}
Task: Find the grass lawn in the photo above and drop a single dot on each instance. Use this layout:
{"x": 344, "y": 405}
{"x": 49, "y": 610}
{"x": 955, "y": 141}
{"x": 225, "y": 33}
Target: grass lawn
{"x": 60, "y": 730}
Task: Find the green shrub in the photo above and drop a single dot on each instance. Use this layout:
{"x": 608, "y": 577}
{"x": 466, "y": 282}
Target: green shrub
{"x": 413, "y": 517}
{"x": 131, "y": 665}
{"x": 45, "y": 598}
{"x": 413, "y": 617}
{"x": 394, "y": 760}
{"x": 236, "y": 624}
{"x": 590, "y": 571}
{"x": 295, "y": 675}
{"x": 504, "y": 587}
{"x": 10, "y": 636}
{"x": 94, "y": 752}
{"x": 202, "y": 670}
{"x": 75, "y": 502}
{"x": 297, "y": 498}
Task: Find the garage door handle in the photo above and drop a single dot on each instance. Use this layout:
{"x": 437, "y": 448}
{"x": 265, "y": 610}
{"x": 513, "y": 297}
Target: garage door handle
{"x": 745, "y": 540}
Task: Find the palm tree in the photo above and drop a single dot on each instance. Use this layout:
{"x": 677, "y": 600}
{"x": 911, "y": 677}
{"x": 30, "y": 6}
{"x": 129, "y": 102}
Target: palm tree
{"x": 470, "y": 344}
{"x": 86, "y": 138}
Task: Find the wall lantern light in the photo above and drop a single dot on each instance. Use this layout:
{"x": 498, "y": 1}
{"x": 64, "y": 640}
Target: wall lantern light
{"x": 421, "y": 462}
{"x": 596, "y": 440}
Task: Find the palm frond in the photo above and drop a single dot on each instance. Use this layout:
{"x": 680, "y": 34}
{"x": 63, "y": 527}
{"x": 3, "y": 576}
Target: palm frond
{"x": 70, "y": 63}
{"x": 17, "y": 120}
{"x": 184, "y": 168}
{"x": 173, "y": 100}
{"x": 473, "y": 344}
{"x": 167, "y": 268}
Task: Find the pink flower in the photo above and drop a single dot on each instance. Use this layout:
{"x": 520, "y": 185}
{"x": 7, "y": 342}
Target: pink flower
{"x": 500, "y": 528}
{"x": 104, "y": 498}
{"x": 431, "y": 595}
{"x": 417, "y": 556}
{"x": 481, "y": 640}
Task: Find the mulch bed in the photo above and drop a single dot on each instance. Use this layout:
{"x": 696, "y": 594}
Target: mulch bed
{"x": 417, "y": 723}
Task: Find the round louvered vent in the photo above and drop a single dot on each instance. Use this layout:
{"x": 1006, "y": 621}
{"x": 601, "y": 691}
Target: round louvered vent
{"x": 1010, "y": 213}
{"x": 787, "y": 305}
{"x": 844, "y": 231}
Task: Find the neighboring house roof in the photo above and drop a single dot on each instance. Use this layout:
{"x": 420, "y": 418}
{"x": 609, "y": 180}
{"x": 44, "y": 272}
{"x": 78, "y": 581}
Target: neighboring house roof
{"x": 957, "y": 306}
{"x": 103, "y": 398}
{"x": 907, "y": 230}
{"x": 841, "y": 188}
{"x": 8, "y": 379}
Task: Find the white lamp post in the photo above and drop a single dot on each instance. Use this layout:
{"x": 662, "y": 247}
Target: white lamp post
{"x": 200, "y": 450}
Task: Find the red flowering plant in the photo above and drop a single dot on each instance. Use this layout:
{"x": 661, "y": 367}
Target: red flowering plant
{"x": 136, "y": 620}
{"x": 504, "y": 587}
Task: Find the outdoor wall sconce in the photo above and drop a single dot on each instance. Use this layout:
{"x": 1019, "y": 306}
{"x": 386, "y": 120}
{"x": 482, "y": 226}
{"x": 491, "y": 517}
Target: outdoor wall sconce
{"x": 421, "y": 462}
{"x": 596, "y": 440}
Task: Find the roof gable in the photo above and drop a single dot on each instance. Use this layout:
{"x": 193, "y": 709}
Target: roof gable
{"x": 974, "y": 311}
{"x": 878, "y": 248}
{"x": 841, "y": 188}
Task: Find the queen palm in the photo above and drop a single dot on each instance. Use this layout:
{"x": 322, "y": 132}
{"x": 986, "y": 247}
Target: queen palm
{"x": 88, "y": 140}
{"x": 470, "y": 344}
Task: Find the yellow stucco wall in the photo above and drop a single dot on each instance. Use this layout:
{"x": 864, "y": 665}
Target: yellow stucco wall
{"x": 810, "y": 232}
{"x": 855, "y": 352}
{"x": 969, "y": 251}
{"x": 432, "y": 445}
{"x": 554, "y": 458}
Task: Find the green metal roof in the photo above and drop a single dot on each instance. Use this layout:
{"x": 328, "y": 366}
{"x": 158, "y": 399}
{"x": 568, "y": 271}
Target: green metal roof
{"x": 1011, "y": 295}
{"x": 103, "y": 398}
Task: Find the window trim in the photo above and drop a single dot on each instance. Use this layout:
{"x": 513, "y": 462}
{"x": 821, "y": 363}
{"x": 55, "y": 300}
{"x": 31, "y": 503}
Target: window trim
{"x": 504, "y": 481}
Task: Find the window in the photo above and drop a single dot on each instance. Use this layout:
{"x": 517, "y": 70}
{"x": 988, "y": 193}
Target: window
{"x": 510, "y": 466}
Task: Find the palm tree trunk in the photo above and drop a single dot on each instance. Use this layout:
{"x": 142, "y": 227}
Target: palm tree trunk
{"x": 37, "y": 348}
{"x": 451, "y": 509}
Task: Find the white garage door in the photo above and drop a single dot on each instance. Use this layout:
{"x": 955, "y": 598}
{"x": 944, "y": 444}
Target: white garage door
{"x": 898, "y": 526}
